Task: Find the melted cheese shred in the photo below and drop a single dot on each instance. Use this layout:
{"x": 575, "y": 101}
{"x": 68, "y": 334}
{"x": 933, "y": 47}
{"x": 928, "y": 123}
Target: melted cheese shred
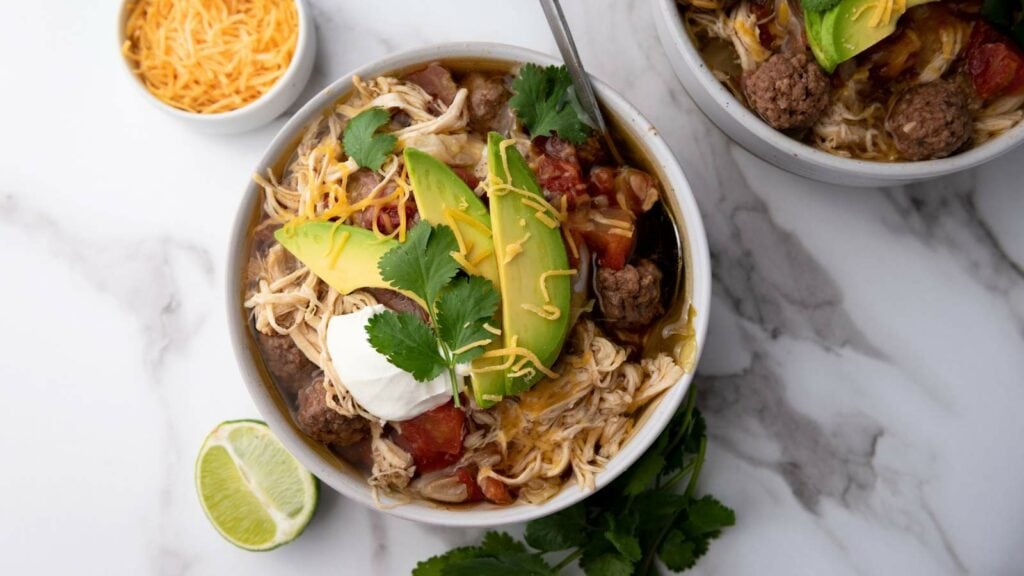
{"x": 210, "y": 56}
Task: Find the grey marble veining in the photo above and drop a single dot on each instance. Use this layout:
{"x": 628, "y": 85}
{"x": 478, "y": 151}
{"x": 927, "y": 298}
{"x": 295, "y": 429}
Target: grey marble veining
{"x": 861, "y": 380}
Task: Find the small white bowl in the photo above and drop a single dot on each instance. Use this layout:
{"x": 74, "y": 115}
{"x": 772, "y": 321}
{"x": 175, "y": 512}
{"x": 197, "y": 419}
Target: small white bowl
{"x": 258, "y": 112}
{"x": 343, "y": 477}
{"x": 747, "y": 128}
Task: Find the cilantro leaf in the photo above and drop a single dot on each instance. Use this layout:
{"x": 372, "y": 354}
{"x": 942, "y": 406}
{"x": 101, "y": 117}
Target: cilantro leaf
{"x": 504, "y": 565}
{"x": 498, "y": 555}
{"x": 462, "y": 310}
{"x": 362, "y": 144}
{"x": 819, "y": 5}
{"x": 422, "y": 265}
{"x": 407, "y": 342}
{"x": 436, "y": 565}
{"x": 677, "y": 552}
{"x": 609, "y": 564}
{"x": 498, "y": 542}
{"x": 545, "y": 102}
{"x": 560, "y": 531}
{"x": 640, "y": 476}
{"x": 708, "y": 516}
{"x": 622, "y": 535}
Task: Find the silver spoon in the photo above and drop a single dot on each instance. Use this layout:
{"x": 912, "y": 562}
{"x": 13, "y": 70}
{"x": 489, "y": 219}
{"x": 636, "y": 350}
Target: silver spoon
{"x": 580, "y": 79}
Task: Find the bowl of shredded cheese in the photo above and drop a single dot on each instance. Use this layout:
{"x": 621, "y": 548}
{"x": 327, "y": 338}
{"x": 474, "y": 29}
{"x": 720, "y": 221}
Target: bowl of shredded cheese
{"x": 219, "y": 65}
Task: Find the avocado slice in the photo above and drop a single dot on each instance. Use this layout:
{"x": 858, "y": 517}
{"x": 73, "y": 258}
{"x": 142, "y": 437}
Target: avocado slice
{"x": 820, "y": 49}
{"x": 443, "y": 198}
{"x": 343, "y": 256}
{"x": 852, "y": 27}
{"x": 439, "y": 194}
{"x": 526, "y": 248}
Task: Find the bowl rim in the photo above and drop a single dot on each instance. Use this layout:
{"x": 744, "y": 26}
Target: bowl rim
{"x": 303, "y": 50}
{"x": 668, "y": 12}
{"x": 481, "y": 515}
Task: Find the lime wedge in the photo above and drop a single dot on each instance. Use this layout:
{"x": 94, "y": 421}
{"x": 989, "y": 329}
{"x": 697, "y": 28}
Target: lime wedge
{"x": 255, "y": 493}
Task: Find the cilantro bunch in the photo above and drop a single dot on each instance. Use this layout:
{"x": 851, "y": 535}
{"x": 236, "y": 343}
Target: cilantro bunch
{"x": 649, "y": 513}
{"x": 546, "y": 103}
{"x": 458, "y": 307}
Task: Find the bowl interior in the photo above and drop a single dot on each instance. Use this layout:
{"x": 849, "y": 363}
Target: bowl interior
{"x": 694, "y": 73}
{"x": 331, "y": 469}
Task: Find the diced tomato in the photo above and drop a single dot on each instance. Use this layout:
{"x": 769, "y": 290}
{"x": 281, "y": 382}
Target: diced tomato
{"x": 595, "y": 226}
{"x": 994, "y": 63}
{"x": 496, "y": 491}
{"x": 612, "y": 250}
{"x": 434, "y": 438}
{"x": 467, "y": 176}
{"x": 559, "y": 178}
{"x": 468, "y": 479}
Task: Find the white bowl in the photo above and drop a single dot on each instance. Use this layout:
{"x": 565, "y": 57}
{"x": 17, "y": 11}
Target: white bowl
{"x": 339, "y": 475}
{"x": 258, "y": 112}
{"x": 759, "y": 138}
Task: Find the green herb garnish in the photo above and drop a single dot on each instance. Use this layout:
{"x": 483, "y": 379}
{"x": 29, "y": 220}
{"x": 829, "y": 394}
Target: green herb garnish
{"x": 458, "y": 307}
{"x": 619, "y": 531}
{"x": 546, "y": 103}
{"x": 819, "y": 5}
{"x": 361, "y": 141}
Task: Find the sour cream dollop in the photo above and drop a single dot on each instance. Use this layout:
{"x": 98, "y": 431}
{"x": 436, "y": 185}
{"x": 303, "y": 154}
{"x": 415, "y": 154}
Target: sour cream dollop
{"x": 381, "y": 388}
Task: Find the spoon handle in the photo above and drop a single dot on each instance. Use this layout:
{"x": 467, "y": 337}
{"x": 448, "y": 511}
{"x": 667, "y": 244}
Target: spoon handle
{"x": 580, "y": 79}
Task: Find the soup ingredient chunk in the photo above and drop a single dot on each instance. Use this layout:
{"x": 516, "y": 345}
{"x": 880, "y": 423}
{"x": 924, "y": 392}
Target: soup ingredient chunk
{"x": 435, "y": 80}
{"x": 630, "y": 297}
{"x": 487, "y": 99}
{"x": 789, "y": 91}
{"x": 434, "y": 438}
{"x": 930, "y": 120}
{"x": 323, "y": 424}
{"x": 287, "y": 364}
{"x": 254, "y": 492}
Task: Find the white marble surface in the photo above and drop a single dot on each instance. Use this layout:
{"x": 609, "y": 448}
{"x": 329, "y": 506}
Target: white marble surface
{"x": 863, "y": 380}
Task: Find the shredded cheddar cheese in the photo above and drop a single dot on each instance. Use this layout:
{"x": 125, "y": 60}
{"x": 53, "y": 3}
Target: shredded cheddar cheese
{"x": 336, "y": 250}
{"x": 472, "y": 345}
{"x": 515, "y": 248}
{"x": 210, "y": 56}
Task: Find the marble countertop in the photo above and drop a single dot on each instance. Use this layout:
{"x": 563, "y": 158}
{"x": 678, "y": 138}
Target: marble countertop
{"x": 863, "y": 377}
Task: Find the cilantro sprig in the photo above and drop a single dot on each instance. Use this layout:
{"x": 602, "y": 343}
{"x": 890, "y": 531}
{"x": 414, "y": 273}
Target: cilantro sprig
{"x": 458, "y": 307}
{"x": 361, "y": 141}
{"x": 649, "y": 513}
{"x": 546, "y": 103}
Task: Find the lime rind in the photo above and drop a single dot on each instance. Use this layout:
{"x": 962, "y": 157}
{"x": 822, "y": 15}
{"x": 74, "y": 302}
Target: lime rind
{"x": 256, "y": 494}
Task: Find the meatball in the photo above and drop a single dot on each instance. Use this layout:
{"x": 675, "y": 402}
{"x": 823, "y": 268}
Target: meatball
{"x": 788, "y": 91}
{"x": 288, "y": 366}
{"x": 929, "y": 120}
{"x": 630, "y": 297}
{"x": 323, "y": 424}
